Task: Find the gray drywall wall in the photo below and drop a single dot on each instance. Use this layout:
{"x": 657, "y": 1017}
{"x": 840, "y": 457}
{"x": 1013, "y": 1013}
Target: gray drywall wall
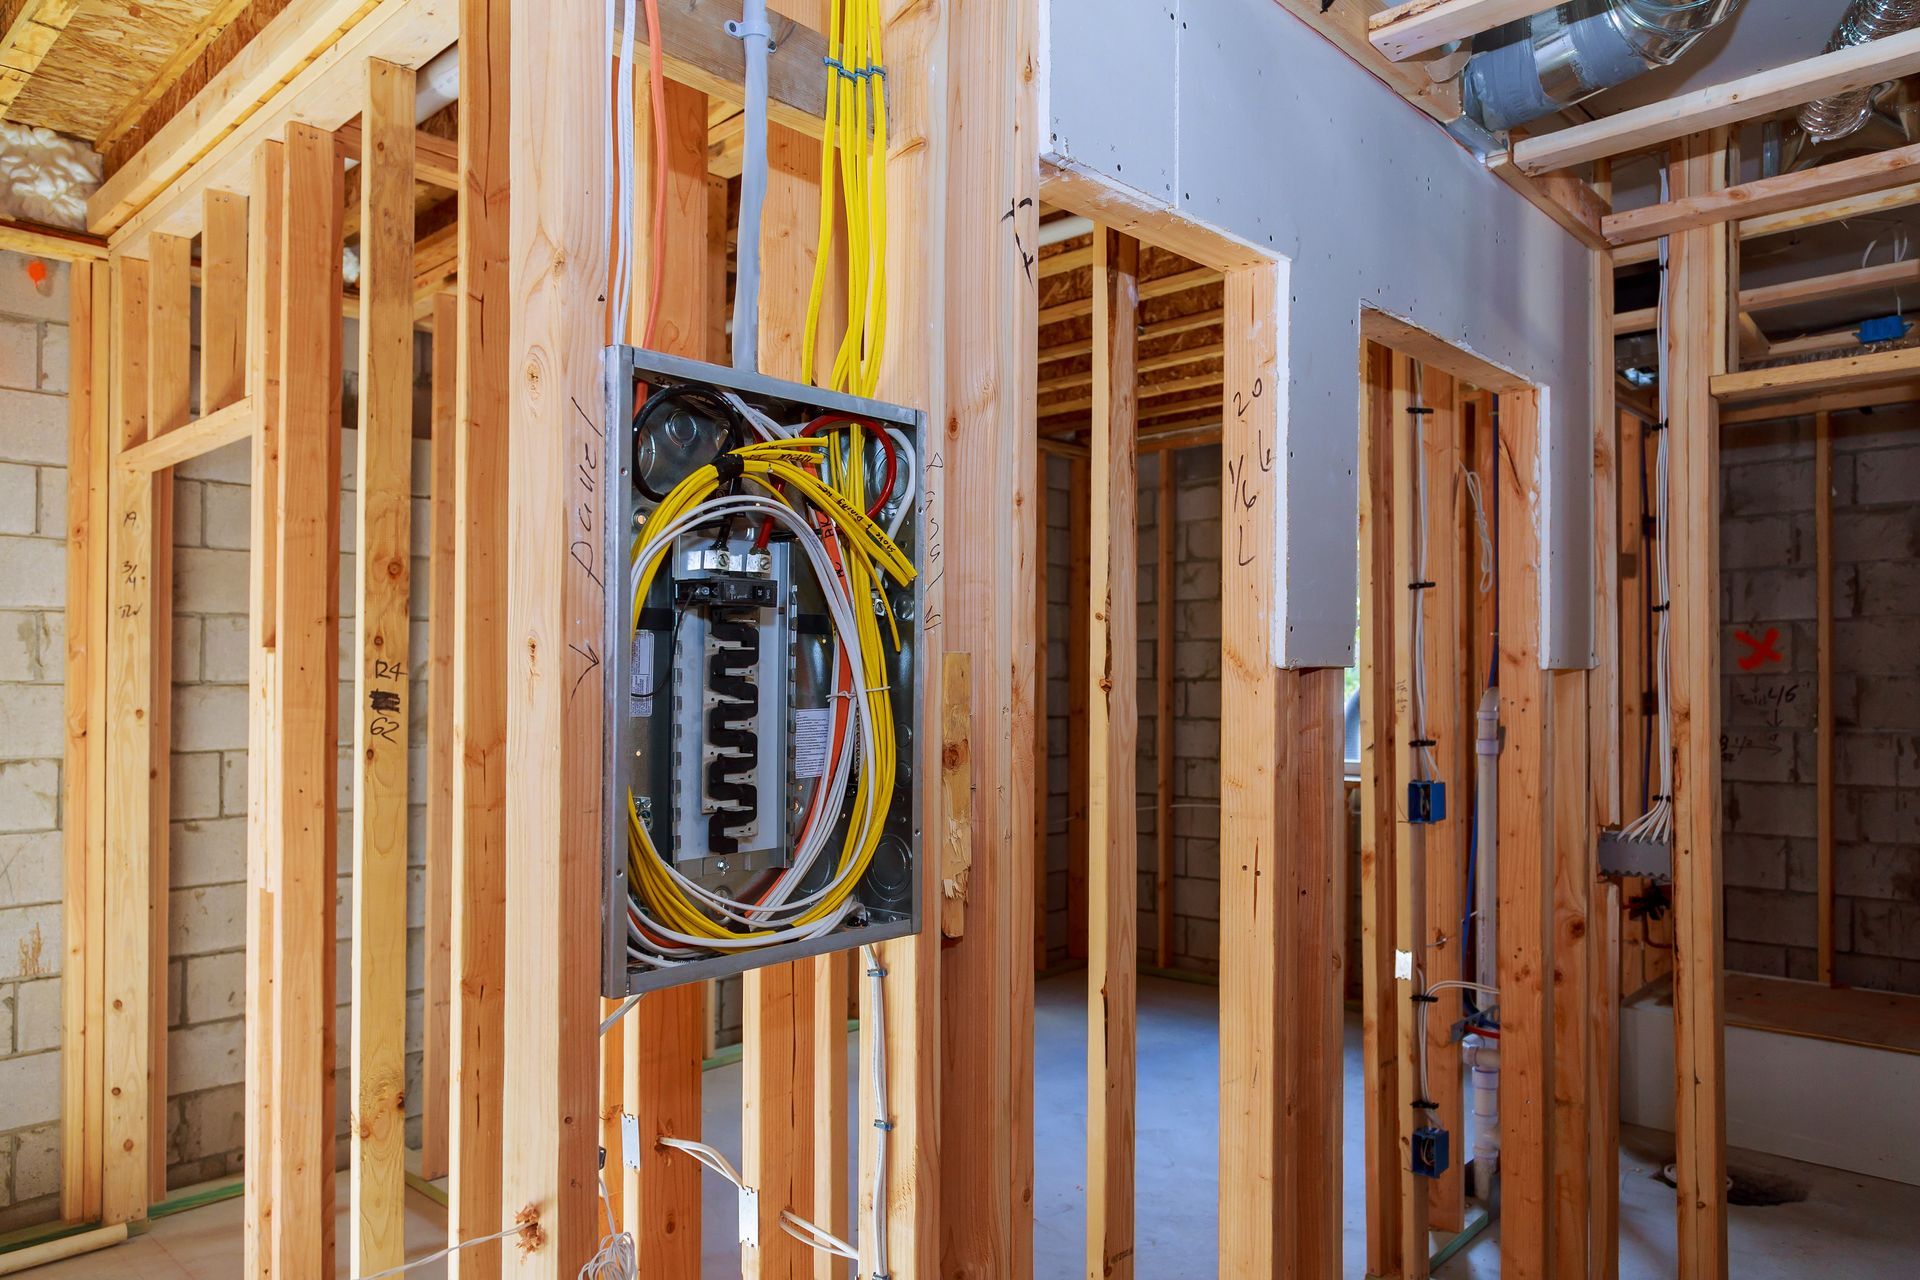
{"x": 1237, "y": 114}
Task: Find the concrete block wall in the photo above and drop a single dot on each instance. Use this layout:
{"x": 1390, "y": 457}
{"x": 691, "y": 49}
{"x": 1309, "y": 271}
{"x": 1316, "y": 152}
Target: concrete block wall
{"x": 33, "y": 583}
{"x": 1770, "y": 659}
{"x": 1196, "y": 707}
{"x": 207, "y": 926}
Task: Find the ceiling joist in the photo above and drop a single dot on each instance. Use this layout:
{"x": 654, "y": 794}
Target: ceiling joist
{"x": 1789, "y": 191}
{"x": 31, "y": 28}
{"x": 1420, "y": 25}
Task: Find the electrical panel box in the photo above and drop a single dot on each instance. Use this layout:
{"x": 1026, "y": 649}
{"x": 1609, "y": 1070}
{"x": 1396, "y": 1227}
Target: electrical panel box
{"x": 759, "y": 797}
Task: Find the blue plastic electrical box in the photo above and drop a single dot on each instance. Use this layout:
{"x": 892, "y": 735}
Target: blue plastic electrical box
{"x": 1430, "y": 1152}
{"x": 1426, "y": 802}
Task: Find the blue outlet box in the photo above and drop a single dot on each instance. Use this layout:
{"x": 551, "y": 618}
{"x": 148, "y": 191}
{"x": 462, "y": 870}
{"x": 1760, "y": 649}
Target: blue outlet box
{"x": 1426, "y": 802}
{"x": 1883, "y": 329}
{"x": 1430, "y": 1152}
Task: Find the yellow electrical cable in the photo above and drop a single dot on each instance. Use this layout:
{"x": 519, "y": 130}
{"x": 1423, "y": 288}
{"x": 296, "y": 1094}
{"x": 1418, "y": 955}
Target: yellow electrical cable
{"x": 864, "y": 546}
{"x": 853, "y": 152}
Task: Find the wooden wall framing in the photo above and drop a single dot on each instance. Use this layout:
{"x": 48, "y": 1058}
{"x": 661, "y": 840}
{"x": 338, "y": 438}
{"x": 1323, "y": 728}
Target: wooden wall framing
{"x": 260, "y": 192}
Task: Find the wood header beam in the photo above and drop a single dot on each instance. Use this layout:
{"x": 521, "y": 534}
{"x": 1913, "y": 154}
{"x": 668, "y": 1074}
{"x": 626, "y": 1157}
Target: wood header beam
{"x": 1747, "y": 98}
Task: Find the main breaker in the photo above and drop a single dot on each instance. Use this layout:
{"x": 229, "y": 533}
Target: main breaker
{"x": 762, "y": 686}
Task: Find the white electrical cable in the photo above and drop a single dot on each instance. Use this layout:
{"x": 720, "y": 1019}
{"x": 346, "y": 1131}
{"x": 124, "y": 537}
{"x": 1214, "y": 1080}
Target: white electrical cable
{"x": 882, "y": 1110}
{"x": 1474, "y": 494}
{"x": 1656, "y": 824}
{"x": 813, "y": 840}
{"x": 624, "y": 186}
{"x": 1426, "y": 765}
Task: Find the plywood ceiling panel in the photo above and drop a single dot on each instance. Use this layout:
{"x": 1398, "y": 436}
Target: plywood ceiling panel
{"x": 111, "y": 53}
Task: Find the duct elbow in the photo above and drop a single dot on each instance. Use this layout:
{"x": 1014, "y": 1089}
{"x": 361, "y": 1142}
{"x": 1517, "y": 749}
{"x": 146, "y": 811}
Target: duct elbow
{"x": 1841, "y": 115}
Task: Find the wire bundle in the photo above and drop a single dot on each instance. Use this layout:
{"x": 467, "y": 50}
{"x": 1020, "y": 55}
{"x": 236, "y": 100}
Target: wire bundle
{"x": 810, "y": 485}
{"x": 853, "y": 143}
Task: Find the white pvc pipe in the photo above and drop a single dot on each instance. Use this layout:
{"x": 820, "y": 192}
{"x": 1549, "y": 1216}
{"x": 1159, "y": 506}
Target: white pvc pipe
{"x": 437, "y": 84}
{"x": 1487, "y": 851}
{"x": 1063, "y": 229}
{"x": 1484, "y": 1057}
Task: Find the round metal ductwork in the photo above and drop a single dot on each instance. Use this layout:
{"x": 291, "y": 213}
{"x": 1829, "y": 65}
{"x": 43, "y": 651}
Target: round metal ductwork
{"x": 1844, "y": 114}
{"x": 1555, "y": 59}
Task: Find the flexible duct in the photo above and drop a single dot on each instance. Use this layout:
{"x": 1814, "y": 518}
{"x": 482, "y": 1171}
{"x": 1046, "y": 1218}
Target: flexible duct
{"x": 1842, "y": 114}
{"x": 1557, "y": 58}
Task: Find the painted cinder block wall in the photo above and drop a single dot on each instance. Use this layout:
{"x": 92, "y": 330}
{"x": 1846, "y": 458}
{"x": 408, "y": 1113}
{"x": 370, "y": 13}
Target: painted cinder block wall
{"x": 1770, "y": 660}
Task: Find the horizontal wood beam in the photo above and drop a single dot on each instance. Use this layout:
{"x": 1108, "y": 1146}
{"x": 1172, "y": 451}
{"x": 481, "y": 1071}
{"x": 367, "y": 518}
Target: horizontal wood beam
{"x": 1161, "y": 329}
{"x": 698, "y": 52}
{"x": 1774, "y": 224}
{"x": 1746, "y": 98}
{"x": 436, "y": 159}
{"x": 1819, "y": 375}
{"x": 1154, "y": 364}
{"x": 1420, "y": 25}
{"x": 1840, "y": 284}
{"x": 1874, "y": 397}
{"x": 184, "y": 443}
{"x": 51, "y": 242}
{"x": 1787, "y": 192}
{"x": 1158, "y": 287}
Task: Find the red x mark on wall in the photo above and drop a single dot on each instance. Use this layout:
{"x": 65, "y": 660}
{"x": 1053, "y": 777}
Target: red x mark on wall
{"x": 1761, "y": 652}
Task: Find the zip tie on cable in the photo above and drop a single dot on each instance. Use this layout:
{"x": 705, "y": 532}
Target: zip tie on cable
{"x": 1419, "y": 411}
{"x": 885, "y": 1126}
{"x": 1419, "y": 997}
{"x": 1660, "y": 608}
{"x": 1420, "y": 586}
{"x": 1657, "y": 427}
{"x": 1424, "y": 742}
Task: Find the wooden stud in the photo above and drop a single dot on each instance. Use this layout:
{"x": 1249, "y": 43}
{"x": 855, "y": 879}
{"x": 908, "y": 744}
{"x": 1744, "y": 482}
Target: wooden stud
{"x": 436, "y": 1081}
{"x": 1823, "y": 615}
{"x": 1697, "y": 347}
{"x": 831, "y": 1208}
{"x": 266, "y": 226}
{"x": 134, "y": 751}
{"x": 1449, "y": 723}
{"x": 1525, "y": 884}
{"x": 991, "y": 525}
{"x": 1604, "y": 1222}
{"x": 1572, "y": 874}
{"x": 1410, "y": 841}
{"x": 169, "y": 407}
{"x": 305, "y": 716}
{"x": 1042, "y": 750}
{"x": 1163, "y": 526}
{"x": 916, "y": 199}
{"x": 223, "y": 301}
{"x": 663, "y": 1038}
{"x": 485, "y": 371}
{"x": 1604, "y": 693}
{"x": 90, "y": 447}
{"x": 778, "y": 1031}
{"x": 1079, "y": 558}
{"x": 1379, "y": 773}
{"x": 1112, "y": 724}
{"x": 1282, "y": 852}
{"x": 558, "y": 93}
{"x": 383, "y": 506}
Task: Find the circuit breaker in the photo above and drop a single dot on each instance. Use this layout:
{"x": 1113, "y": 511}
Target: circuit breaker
{"x": 762, "y": 686}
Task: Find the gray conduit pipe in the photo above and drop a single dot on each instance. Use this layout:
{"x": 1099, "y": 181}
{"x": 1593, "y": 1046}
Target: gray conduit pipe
{"x": 756, "y": 35}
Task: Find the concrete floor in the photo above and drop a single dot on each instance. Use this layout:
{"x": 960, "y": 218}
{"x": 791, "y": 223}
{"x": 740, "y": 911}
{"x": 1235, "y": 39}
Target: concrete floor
{"x": 1844, "y": 1226}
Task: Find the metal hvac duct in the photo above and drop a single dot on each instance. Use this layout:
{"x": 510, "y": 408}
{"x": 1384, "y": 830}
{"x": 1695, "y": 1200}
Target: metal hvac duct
{"x": 1555, "y": 59}
{"x": 1847, "y": 113}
